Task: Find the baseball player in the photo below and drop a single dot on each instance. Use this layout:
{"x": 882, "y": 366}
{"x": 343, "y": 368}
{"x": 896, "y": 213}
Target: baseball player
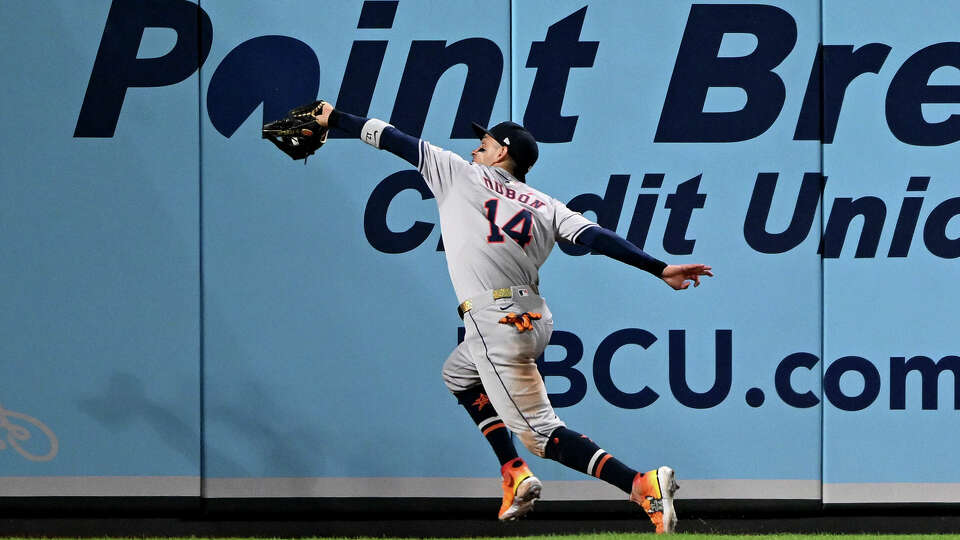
{"x": 497, "y": 231}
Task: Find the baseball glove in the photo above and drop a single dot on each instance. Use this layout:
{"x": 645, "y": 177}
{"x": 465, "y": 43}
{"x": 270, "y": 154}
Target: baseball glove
{"x": 298, "y": 134}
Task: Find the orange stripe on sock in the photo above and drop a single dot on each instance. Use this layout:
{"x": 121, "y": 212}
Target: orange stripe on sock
{"x": 603, "y": 460}
{"x": 498, "y": 425}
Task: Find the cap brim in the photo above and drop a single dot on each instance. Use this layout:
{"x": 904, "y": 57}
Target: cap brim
{"x": 480, "y": 130}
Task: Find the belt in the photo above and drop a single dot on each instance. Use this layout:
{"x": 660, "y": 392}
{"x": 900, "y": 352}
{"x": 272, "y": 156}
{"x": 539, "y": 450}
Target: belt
{"x": 488, "y": 297}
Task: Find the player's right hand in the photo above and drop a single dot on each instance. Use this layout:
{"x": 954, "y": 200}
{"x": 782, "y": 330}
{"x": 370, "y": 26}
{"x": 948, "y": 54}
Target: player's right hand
{"x": 679, "y": 276}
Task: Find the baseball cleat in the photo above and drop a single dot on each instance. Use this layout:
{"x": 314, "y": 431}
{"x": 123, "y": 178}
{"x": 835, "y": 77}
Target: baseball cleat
{"x": 653, "y": 491}
{"x": 520, "y": 490}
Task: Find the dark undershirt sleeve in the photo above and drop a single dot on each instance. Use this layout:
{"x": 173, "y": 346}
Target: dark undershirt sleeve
{"x": 392, "y": 139}
{"x": 606, "y": 242}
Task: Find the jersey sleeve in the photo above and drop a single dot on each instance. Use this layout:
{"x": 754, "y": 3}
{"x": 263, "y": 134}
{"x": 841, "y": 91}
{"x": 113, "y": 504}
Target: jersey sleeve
{"x": 439, "y": 168}
{"x": 567, "y": 224}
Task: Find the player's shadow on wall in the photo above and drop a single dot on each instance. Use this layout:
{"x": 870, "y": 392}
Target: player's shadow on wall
{"x": 268, "y": 446}
{"x": 124, "y": 404}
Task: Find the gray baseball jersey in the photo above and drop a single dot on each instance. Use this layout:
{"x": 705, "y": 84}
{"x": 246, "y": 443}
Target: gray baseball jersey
{"x": 497, "y": 231}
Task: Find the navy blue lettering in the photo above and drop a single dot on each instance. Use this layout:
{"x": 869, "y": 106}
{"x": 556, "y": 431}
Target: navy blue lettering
{"x": 117, "y": 67}
{"x": 909, "y": 91}
{"x": 427, "y": 61}
{"x": 698, "y": 68}
{"x": 681, "y": 205}
{"x": 907, "y": 220}
{"x": 278, "y": 71}
{"x": 844, "y": 209}
{"x": 643, "y": 212}
{"x": 491, "y": 213}
{"x": 935, "y": 230}
{"x": 840, "y": 65}
{"x": 607, "y": 209}
{"x": 364, "y": 63}
{"x": 375, "y": 215}
{"x": 782, "y": 380}
{"x": 522, "y": 220}
{"x": 929, "y": 372}
{"x": 360, "y": 79}
{"x": 564, "y": 368}
{"x": 723, "y": 371}
{"x": 554, "y": 57}
{"x": 755, "y": 225}
{"x": 601, "y": 369}
{"x": 871, "y": 383}
{"x": 755, "y": 397}
{"x": 378, "y": 14}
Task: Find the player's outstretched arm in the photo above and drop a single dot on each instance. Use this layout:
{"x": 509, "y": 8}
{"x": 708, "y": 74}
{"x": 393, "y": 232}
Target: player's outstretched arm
{"x": 607, "y": 242}
{"x": 374, "y": 132}
{"x": 438, "y": 167}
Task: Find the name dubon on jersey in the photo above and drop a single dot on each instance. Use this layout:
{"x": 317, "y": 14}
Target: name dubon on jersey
{"x": 497, "y": 231}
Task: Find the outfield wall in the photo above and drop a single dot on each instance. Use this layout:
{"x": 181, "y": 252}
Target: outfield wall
{"x": 189, "y": 313}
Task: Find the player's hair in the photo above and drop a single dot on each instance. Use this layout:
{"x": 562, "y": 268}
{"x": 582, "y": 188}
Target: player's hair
{"x": 511, "y": 165}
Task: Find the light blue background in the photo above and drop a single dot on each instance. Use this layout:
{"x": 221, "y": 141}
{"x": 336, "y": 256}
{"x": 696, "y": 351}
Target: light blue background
{"x": 321, "y": 355}
{"x": 99, "y": 272}
{"x": 883, "y": 307}
{"x": 322, "y": 352}
{"x": 618, "y": 101}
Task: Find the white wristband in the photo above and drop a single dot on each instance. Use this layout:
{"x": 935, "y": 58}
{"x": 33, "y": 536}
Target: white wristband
{"x": 372, "y": 130}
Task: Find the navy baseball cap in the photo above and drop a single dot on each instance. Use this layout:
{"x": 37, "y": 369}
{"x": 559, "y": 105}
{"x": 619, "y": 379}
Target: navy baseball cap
{"x": 521, "y": 146}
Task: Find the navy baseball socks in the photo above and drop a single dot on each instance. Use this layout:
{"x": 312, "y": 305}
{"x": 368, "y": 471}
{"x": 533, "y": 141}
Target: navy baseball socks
{"x": 580, "y": 453}
{"x": 521, "y": 488}
{"x": 478, "y": 406}
{"x": 652, "y": 490}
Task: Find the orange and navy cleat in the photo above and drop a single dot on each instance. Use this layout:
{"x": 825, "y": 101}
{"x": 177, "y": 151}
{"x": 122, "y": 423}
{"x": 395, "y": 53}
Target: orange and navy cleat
{"x": 520, "y": 490}
{"x": 653, "y": 491}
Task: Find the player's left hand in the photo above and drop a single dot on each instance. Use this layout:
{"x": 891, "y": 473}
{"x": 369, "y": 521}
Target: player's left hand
{"x": 521, "y": 320}
{"x": 298, "y": 134}
{"x": 322, "y": 114}
{"x": 679, "y": 276}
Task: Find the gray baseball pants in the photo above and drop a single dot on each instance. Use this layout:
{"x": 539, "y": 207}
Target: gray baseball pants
{"x": 505, "y": 362}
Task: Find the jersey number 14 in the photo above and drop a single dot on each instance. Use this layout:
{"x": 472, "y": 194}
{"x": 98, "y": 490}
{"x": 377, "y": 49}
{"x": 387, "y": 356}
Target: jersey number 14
{"x": 517, "y": 228}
